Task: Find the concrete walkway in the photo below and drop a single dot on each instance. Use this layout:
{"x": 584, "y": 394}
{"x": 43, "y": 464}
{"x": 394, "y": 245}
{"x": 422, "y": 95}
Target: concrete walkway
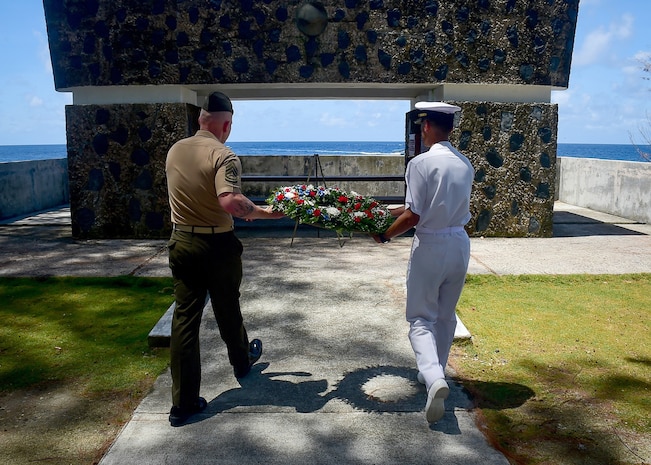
{"x": 336, "y": 383}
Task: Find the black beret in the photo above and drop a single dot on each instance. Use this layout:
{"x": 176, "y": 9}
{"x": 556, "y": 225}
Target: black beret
{"x": 217, "y": 102}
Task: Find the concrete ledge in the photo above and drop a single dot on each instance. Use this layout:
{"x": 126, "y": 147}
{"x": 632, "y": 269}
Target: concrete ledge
{"x": 461, "y": 332}
{"x": 620, "y": 188}
{"x": 160, "y": 334}
{"x": 31, "y": 186}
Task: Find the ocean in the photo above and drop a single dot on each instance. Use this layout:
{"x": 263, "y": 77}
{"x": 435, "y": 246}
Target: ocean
{"x": 11, "y": 153}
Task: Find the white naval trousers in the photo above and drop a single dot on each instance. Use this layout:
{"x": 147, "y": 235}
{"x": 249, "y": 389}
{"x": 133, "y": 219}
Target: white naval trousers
{"x": 435, "y": 277}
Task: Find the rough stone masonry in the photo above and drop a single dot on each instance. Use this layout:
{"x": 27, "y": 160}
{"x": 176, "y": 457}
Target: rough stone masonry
{"x": 138, "y": 69}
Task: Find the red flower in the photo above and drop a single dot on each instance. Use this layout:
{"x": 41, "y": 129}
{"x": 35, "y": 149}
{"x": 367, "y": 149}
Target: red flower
{"x": 357, "y": 206}
{"x": 317, "y": 212}
{"x": 280, "y": 197}
{"x": 343, "y": 199}
{"x": 373, "y": 204}
{"x": 358, "y": 219}
{"x": 369, "y": 213}
{"x": 300, "y": 201}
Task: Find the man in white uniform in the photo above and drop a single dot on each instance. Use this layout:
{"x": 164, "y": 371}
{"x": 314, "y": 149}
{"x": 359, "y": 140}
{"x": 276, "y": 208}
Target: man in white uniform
{"x": 437, "y": 203}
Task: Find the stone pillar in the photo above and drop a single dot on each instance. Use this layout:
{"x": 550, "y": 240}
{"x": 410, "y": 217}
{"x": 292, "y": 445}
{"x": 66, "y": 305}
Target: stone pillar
{"x": 116, "y": 159}
{"x": 512, "y": 147}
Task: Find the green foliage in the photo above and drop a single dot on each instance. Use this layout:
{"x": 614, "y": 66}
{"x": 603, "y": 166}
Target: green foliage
{"x": 89, "y": 329}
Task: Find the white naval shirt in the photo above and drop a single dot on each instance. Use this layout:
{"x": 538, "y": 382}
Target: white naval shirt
{"x": 439, "y": 182}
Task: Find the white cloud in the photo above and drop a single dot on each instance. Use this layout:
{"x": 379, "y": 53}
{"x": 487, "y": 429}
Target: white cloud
{"x": 631, "y": 70}
{"x": 606, "y": 116}
{"x": 624, "y": 29}
{"x": 562, "y": 97}
{"x": 643, "y": 62}
{"x": 642, "y": 56}
{"x": 374, "y": 120}
{"x": 34, "y": 101}
{"x": 330, "y": 120}
{"x": 600, "y": 43}
{"x": 43, "y": 51}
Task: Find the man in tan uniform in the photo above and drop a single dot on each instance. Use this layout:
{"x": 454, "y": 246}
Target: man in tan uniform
{"x": 204, "y": 187}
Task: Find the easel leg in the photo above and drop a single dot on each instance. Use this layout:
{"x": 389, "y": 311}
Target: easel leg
{"x": 294, "y": 233}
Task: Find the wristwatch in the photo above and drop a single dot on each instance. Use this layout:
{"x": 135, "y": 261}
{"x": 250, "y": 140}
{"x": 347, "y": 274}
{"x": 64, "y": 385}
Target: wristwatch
{"x": 383, "y": 239}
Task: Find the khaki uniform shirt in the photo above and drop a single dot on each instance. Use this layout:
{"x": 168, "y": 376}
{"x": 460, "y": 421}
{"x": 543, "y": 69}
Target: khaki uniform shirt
{"x": 199, "y": 169}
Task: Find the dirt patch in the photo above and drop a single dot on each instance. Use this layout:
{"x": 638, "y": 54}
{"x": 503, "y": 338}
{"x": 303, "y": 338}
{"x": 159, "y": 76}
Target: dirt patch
{"x": 60, "y": 425}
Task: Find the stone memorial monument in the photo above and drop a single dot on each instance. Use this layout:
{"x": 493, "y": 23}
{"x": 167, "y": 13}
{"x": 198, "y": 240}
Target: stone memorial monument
{"x": 139, "y": 70}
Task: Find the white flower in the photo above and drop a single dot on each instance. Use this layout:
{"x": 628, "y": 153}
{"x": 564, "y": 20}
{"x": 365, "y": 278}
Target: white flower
{"x": 332, "y": 211}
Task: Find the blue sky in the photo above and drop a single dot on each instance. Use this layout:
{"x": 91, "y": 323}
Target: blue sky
{"x": 607, "y": 101}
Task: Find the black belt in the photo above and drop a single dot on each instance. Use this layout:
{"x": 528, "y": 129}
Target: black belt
{"x": 200, "y": 229}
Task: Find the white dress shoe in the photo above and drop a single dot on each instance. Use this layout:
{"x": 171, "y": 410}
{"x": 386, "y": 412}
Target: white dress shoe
{"x": 435, "y": 407}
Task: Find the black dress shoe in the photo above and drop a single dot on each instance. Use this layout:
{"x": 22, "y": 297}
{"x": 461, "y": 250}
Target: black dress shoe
{"x": 255, "y": 352}
{"x": 179, "y": 416}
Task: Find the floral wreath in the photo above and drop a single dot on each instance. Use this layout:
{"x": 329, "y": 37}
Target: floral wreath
{"x": 331, "y": 208}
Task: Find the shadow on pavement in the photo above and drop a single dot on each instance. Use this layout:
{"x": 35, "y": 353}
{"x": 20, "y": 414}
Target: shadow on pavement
{"x": 568, "y": 224}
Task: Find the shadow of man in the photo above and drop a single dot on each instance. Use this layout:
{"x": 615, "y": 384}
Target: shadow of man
{"x": 263, "y": 388}
{"x": 260, "y": 388}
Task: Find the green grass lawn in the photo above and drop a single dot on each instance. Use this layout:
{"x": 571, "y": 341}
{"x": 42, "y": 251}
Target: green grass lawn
{"x": 561, "y": 365}
{"x": 90, "y": 329}
{"x": 74, "y": 363}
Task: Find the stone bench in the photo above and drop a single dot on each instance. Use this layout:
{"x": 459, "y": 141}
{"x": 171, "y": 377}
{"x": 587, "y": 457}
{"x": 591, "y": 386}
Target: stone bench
{"x": 160, "y": 334}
